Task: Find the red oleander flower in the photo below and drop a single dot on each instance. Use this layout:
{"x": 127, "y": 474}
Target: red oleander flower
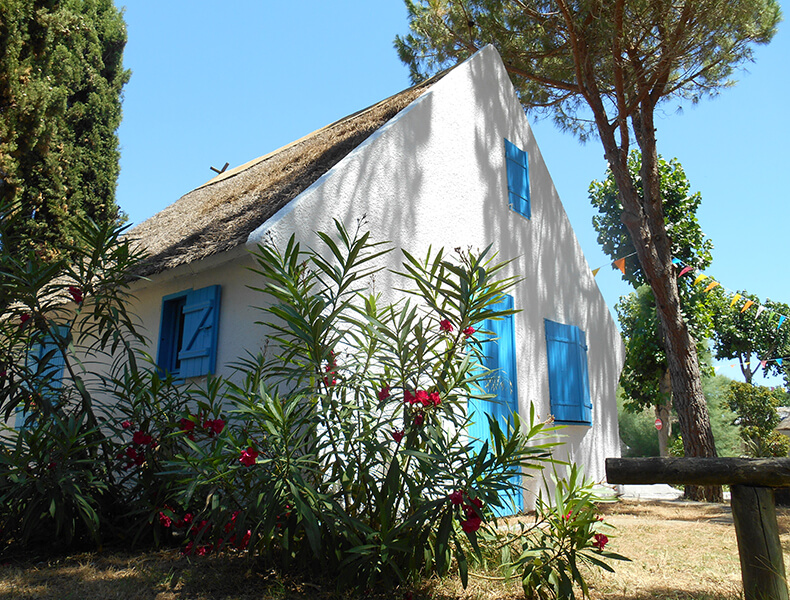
{"x": 142, "y": 439}
{"x": 435, "y": 398}
{"x": 248, "y": 456}
{"x": 397, "y": 435}
{"x": 600, "y": 541}
{"x": 164, "y": 520}
{"x": 384, "y": 393}
{"x": 457, "y": 497}
{"x": 408, "y": 397}
{"x": 245, "y": 540}
{"x": 470, "y": 507}
{"x": 419, "y": 420}
{"x": 126, "y": 424}
{"x": 469, "y": 331}
{"x": 471, "y": 524}
{"x": 330, "y": 382}
{"x": 76, "y": 293}
{"x": 23, "y": 318}
{"x": 186, "y": 424}
{"x": 214, "y": 426}
{"x": 445, "y": 326}
{"x": 423, "y": 398}
{"x": 203, "y": 550}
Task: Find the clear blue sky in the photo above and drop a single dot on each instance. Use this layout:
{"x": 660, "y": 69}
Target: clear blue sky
{"x": 228, "y": 82}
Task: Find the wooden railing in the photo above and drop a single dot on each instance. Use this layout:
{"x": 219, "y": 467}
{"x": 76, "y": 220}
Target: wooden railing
{"x": 752, "y": 482}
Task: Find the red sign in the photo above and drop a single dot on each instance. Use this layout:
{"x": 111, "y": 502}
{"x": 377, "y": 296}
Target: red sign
{"x": 659, "y": 424}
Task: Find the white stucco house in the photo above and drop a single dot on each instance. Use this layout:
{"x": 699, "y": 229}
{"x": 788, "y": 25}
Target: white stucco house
{"x": 451, "y": 162}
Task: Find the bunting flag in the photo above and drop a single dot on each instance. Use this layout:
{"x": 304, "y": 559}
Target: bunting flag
{"x": 747, "y": 305}
{"x": 675, "y": 261}
{"x": 779, "y": 361}
{"x": 595, "y": 271}
{"x": 711, "y": 285}
{"x": 735, "y": 298}
{"x": 763, "y": 363}
{"x": 781, "y": 320}
{"x": 760, "y": 310}
{"x": 620, "y": 264}
{"x": 683, "y": 271}
{"x": 699, "y": 278}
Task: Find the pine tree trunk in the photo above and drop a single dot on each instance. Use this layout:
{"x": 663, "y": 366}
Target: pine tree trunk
{"x": 644, "y": 218}
{"x": 664, "y": 412}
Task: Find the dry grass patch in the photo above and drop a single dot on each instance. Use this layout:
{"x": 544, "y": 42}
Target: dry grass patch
{"x": 679, "y": 551}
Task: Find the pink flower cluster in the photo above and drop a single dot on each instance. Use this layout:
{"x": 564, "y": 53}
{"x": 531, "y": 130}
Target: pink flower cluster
{"x": 471, "y": 510}
{"x": 600, "y": 540}
{"x": 135, "y": 453}
{"x": 330, "y": 378}
{"x": 195, "y": 528}
{"x": 249, "y": 456}
{"x": 422, "y": 398}
{"x": 211, "y": 427}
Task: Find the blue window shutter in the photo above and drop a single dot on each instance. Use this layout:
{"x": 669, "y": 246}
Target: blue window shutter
{"x": 500, "y": 358}
{"x": 47, "y": 362}
{"x": 198, "y": 354}
{"x": 517, "y": 165}
{"x": 569, "y": 386}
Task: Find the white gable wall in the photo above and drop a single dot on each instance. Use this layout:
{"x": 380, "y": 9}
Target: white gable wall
{"x": 435, "y": 175}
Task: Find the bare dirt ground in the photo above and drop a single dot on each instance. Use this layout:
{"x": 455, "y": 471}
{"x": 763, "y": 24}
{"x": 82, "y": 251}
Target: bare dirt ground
{"x": 678, "y": 551}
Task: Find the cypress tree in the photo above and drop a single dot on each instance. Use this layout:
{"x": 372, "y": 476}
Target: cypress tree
{"x": 61, "y": 77}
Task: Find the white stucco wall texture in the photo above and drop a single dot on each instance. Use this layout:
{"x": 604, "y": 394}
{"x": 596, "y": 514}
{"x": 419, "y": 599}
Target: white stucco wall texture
{"x": 435, "y": 176}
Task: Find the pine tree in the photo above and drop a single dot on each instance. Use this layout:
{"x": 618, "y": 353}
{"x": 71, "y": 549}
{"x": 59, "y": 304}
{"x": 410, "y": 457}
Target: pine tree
{"x": 61, "y": 76}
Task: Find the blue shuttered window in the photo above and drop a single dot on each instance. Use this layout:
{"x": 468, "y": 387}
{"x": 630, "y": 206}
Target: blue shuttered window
{"x": 500, "y": 359}
{"x": 517, "y": 165}
{"x": 569, "y": 385}
{"x": 46, "y": 362}
{"x": 188, "y": 332}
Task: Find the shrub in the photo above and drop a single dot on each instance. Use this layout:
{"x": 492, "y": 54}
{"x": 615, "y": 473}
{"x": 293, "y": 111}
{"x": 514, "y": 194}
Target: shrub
{"x": 346, "y": 449}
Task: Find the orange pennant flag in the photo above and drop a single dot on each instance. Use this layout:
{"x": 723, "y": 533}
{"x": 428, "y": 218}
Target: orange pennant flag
{"x": 699, "y": 278}
{"x": 620, "y": 264}
{"x": 747, "y": 305}
{"x": 711, "y": 285}
{"x": 735, "y": 298}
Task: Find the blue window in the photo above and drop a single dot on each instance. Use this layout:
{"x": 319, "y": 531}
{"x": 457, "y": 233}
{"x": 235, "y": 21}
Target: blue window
{"x": 517, "y": 165}
{"x": 45, "y": 362}
{"x": 569, "y": 384}
{"x": 499, "y": 357}
{"x": 188, "y": 332}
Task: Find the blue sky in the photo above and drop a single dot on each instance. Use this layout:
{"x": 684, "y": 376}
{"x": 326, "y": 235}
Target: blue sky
{"x": 214, "y": 83}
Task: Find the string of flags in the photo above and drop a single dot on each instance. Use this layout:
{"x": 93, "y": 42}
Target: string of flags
{"x": 711, "y": 285}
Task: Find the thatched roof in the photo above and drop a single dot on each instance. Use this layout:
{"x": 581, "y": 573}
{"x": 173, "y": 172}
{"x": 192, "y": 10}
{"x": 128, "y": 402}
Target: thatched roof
{"x": 221, "y": 214}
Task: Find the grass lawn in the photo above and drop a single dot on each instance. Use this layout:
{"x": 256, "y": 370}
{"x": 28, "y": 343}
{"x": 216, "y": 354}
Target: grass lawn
{"x": 679, "y": 551}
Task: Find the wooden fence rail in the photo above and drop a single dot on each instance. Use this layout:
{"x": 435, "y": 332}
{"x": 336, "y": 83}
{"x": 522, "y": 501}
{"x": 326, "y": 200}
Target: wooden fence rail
{"x": 751, "y": 482}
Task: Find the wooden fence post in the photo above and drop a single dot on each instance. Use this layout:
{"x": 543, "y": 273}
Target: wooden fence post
{"x": 762, "y": 563}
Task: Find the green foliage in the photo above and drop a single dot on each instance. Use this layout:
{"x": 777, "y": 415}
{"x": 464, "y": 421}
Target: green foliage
{"x": 757, "y": 417}
{"x": 749, "y": 340}
{"x": 638, "y": 432}
{"x": 567, "y": 537}
{"x": 685, "y": 50}
{"x": 346, "y": 451}
{"x": 61, "y": 76}
{"x": 689, "y": 243}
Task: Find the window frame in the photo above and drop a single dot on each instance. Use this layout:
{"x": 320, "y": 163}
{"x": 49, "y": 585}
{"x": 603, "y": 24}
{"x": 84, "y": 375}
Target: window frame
{"x": 189, "y": 332}
{"x": 569, "y": 381}
{"x": 518, "y": 184}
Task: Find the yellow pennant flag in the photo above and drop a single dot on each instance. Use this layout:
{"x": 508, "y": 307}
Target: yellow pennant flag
{"x": 620, "y": 264}
{"x": 735, "y": 298}
{"x": 747, "y": 305}
{"x": 711, "y": 285}
{"x": 699, "y": 278}
{"x": 595, "y": 271}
